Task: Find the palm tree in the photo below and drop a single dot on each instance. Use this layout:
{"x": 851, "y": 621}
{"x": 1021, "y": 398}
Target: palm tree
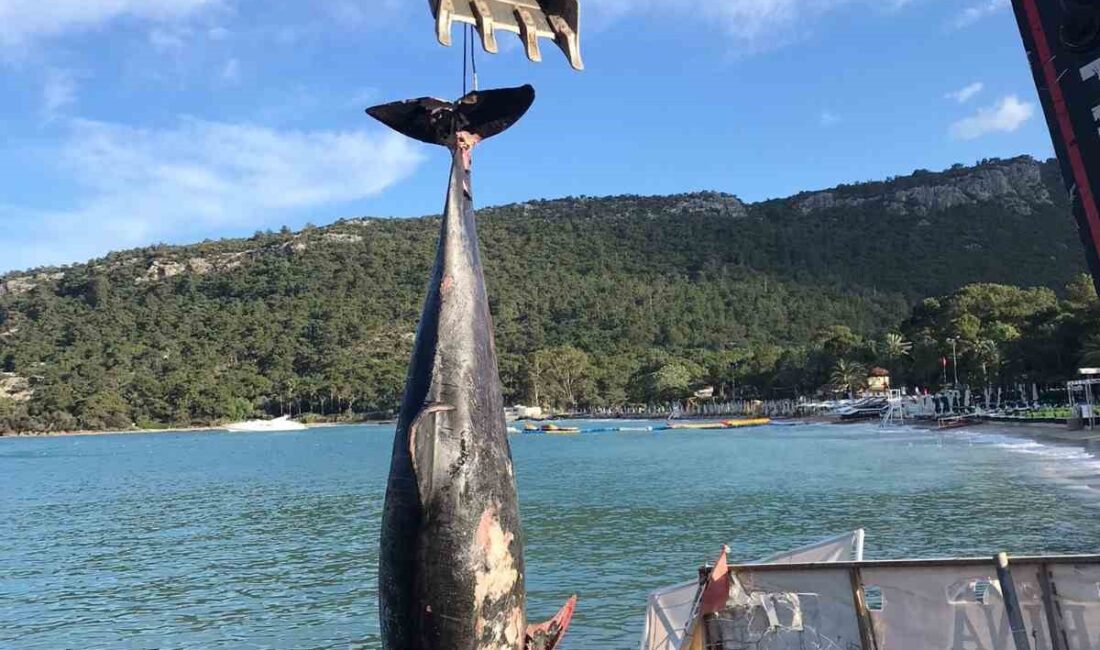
{"x": 1091, "y": 355}
{"x": 848, "y": 376}
{"x": 987, "y": 354}
{"x": 896, "y": 346}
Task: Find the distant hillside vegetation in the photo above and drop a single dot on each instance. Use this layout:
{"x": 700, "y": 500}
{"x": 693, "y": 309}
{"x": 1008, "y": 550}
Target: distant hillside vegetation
{"x": 323, "y": 320}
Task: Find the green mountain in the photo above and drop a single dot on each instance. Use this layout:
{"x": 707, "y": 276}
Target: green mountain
{"x": 700, "y": 287}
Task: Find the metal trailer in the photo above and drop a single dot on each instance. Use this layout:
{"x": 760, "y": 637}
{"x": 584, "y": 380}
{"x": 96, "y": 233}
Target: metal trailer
{"x": 1062, "y": 39}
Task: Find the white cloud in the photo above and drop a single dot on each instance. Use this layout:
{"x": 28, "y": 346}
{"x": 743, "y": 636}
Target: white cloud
{"x": 139, "y": 186}
{"x": 165, "y": 40}
{"x": 354, "y": 13}
{"x": 58, "y": 92}
{"x": 22, "y": 21}
{"x": 363, "y": 97}
{"x": 744, "y": 19}
{"x": 1006, "y": 116}
{"x": 829, "y": 118}
{"x": 755, "y": 24}
{"x": 965, "y": 94}
{"x": 346, "y": 11}
{"x": 231, "y": 71}
{"x": 977, "y": 12}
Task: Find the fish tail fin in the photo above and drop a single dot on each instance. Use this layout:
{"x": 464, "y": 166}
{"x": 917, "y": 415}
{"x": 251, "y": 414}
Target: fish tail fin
{"x": 482, "y": 114}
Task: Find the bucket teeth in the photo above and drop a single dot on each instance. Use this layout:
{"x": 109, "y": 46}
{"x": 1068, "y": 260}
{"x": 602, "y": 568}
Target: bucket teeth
{"x": 486, "y": 26}
{"x": 528, "y": 33}
{"x": 444, "y": 12}
{"x": 558, "y": 20}
{"x": 568, "y": 40}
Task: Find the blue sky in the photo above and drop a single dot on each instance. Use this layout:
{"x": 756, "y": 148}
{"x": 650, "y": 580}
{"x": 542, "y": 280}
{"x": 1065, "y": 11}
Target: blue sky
{"x": 129, "y": 122}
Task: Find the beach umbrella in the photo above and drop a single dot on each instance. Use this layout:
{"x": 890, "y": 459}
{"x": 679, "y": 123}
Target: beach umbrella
{"x": 966, "y": 397}
{"x": 1034, "y": 393}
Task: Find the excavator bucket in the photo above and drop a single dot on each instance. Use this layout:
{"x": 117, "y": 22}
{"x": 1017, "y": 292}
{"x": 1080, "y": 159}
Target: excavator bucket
{"x": 531, "y": 19}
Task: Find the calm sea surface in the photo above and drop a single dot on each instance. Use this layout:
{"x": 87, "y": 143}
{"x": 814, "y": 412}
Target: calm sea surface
{"x": 223, "y": 540}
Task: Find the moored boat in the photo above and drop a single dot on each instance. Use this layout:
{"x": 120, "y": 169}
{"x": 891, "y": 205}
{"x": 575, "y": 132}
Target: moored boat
{"x": 865, "y": 409}
{"x": 555, "y": 429}
{"x": 695, "y": 426}
{"x": 278, "y": 424}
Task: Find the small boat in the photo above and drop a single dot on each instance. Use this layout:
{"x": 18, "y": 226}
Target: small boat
{"x": 956, "y": 422}
{"x": 529, "y": 427}
{"x": 696, "y": 426}
{"x": 826, "y": 595}
{"x": 749, "y": 422}
{"x": 621, "y": 430}
{"x": 553, "y": 428}
{"x": 724, "y": 424}
{"x": 278, "y": 424}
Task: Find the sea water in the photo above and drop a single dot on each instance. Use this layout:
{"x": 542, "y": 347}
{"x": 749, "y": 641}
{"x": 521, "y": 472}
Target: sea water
{"x": 269, "y": 540}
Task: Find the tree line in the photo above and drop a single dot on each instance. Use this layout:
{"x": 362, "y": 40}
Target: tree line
{"x": 596, "y": 302}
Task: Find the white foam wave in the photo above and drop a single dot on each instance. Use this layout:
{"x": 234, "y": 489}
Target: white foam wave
{"x": 1060, "y": 460}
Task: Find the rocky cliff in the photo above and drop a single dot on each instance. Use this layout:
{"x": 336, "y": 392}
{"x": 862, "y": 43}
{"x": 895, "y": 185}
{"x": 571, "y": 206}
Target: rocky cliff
{"x": 1017, "y": 185}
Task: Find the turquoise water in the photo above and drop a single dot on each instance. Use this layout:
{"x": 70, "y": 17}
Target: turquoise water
{"x": 223, "y": 540}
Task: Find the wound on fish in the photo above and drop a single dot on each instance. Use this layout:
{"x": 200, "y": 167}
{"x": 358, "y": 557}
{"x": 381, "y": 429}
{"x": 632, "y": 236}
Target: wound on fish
{"x": 495, "y": 569}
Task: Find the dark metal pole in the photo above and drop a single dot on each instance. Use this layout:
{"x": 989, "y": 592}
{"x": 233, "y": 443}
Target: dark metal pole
{"x": 955, "y": 360}
{"x": 1050, "y": 606}
{"x": 1012, "y": 603}
{"x": 1088, "y": 402}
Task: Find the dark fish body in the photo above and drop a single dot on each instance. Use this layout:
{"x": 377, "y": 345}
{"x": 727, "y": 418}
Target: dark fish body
{"x": 451, "y": 574}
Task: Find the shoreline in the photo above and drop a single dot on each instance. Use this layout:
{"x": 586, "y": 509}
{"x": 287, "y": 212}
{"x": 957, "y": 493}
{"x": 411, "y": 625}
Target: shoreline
{"x": 72, "y": 434}
{"x": 1055, "y": 434}
{"x": 204, "y": 429}
{"x": 1039, "y": 431}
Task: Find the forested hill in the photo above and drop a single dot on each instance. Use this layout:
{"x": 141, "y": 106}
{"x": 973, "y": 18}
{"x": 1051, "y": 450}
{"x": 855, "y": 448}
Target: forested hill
{"x": 323, "y": 319}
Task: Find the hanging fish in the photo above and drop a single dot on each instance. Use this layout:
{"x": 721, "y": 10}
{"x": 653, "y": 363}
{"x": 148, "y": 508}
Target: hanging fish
{"x": 451, "y": 572}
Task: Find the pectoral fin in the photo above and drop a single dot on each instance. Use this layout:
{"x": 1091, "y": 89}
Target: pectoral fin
{"x": 422, "y": 440}
{"x": 547, "y": 636}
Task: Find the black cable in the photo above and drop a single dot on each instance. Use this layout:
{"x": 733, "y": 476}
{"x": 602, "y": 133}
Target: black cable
{"x": 473, "y": 58}
{"x": 465, "y": 38}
